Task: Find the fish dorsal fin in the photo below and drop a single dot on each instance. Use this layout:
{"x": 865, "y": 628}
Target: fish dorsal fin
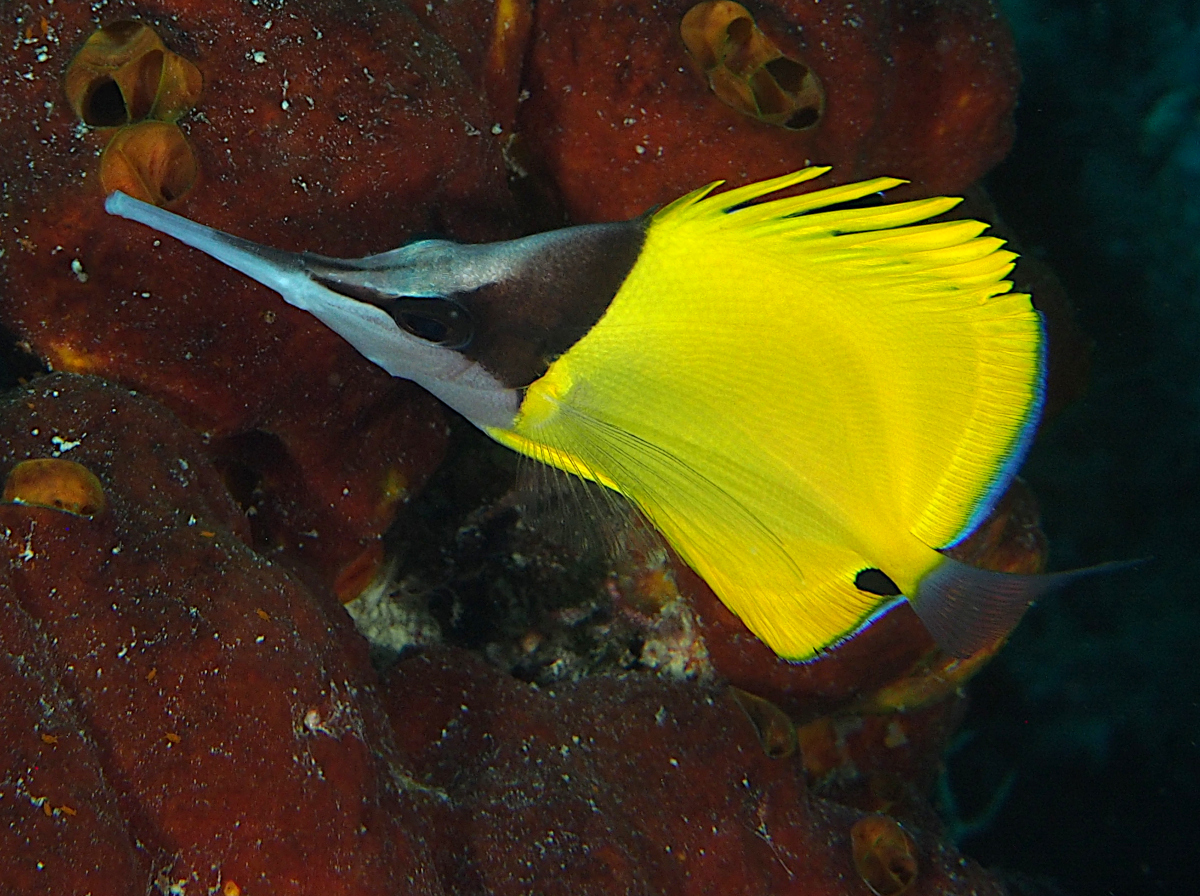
{"x": 793, "y": 395}
{"x": 949, "y": 362}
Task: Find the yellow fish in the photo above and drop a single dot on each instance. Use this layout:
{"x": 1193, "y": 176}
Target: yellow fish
{"x": 808, "y": 398}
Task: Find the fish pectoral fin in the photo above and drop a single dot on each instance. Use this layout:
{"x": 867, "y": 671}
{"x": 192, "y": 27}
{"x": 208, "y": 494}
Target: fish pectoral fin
{"x": 967, "y": 609}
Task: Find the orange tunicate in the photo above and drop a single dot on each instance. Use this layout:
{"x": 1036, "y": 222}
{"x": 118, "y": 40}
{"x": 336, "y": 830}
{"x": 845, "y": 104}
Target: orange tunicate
{"x": 125, "y": 74}
{"x": 935, "y": 677}
{"x": 747, "y": 71}
{"x": 58, "y": 484}
{"x": 178, "y": 90}
{"x": 151, "y": 161}
{"x": 884, "y": 855}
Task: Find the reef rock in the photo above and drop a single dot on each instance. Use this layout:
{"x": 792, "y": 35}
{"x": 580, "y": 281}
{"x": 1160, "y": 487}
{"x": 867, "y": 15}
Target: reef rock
{"x": 178, "y": 711}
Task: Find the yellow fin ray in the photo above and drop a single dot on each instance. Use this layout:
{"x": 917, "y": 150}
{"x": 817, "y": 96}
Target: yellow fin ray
{"x": 931, "y": 245}
{"x": 742, "y": 200}
{"x": 869, "y": 220}
{"x": 804, "y": 205}
{"x": 739, "y": 195}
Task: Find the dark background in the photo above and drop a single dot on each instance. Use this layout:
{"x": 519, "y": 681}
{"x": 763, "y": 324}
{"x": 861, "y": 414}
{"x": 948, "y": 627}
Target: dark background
{"x": 1078, "y": 767}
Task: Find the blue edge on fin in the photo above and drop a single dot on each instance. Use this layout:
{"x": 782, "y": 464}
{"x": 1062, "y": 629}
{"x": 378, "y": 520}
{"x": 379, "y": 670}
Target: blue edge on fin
{"x": 1008, "y": 470}
{"x": 966, "y": 608}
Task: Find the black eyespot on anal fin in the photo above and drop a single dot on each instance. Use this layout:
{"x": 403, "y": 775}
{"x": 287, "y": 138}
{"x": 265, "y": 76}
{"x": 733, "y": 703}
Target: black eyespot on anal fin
{"x": 875, "y": 581}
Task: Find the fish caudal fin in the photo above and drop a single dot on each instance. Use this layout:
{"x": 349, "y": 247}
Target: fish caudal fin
{"x": 966, "y": 608}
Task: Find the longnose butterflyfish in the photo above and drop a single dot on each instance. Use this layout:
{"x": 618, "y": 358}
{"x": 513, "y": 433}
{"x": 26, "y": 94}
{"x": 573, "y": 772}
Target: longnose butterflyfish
{"x": 809, "y": 396}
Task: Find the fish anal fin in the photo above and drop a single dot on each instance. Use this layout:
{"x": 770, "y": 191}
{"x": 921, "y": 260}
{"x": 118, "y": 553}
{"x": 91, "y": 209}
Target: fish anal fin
{"x": 966, "y": 609}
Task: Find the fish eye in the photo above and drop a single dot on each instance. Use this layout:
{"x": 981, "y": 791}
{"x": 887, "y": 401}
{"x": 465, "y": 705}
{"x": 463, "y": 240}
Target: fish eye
{"x": 442, "y": 322}
{"x": 438, "y": 320}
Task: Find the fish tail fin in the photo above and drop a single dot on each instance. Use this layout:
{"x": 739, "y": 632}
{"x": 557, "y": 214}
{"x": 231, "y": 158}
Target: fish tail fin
{"x": 966, "y": 608}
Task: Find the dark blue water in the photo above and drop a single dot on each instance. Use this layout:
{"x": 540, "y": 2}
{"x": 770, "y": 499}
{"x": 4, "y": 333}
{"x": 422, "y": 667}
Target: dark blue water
{"x": 1093, "y": 711}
